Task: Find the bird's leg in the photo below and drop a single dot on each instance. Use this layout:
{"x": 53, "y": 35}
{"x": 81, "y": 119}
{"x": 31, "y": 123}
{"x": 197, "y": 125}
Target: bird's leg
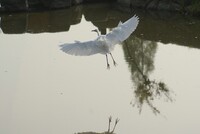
{"x": 108, "y": 66}
{"x": 110, "y": 119}
{"x": 116, "y": 121}
{"x": 115, "y": 64}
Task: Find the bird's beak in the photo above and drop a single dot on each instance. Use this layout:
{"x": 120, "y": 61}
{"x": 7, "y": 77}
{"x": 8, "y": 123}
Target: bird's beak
{"x": 94, "y": 30}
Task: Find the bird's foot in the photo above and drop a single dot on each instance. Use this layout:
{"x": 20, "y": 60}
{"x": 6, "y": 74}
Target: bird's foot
{"x": 115, "y": 64}
{"x": 110, "y": 118}
{"x": 116, "y": 121}
{"x": 108, "y": 66}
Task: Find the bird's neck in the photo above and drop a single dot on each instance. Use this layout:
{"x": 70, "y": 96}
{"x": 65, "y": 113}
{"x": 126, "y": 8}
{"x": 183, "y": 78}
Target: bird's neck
{"x": 98, "y": 33}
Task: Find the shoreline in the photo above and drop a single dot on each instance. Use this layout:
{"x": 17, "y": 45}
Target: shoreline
{"x": 186, "y": 8}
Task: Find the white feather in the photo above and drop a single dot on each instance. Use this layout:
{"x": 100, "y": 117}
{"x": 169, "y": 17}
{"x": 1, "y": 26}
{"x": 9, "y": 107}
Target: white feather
{"x": 104, "y": 43}
{"x": 123, "y": 31}
{"x": 80, "y": 48}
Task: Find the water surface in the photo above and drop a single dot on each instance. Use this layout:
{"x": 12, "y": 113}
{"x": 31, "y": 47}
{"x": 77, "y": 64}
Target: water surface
{"x": 154, "y": 88}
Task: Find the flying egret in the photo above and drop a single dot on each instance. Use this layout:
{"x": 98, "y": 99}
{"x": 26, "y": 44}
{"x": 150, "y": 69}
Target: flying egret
{"x": 103, "y": 44}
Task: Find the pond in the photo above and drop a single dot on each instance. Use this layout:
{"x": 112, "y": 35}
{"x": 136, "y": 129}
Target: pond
{"x": 153, "y": 89}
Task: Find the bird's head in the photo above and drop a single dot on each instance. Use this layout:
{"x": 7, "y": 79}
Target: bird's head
{"x": 95, "y": 30}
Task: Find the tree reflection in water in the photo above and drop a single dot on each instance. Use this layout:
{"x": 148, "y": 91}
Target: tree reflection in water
{"x": 140, "y": 56}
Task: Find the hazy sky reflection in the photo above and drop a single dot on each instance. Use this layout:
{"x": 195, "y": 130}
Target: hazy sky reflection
{"x": 44, "y": 90}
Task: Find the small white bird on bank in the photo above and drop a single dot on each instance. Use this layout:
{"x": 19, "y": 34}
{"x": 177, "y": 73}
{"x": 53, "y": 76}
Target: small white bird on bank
{"x": 106, "y": 132}
{"x": 103, "y": 44}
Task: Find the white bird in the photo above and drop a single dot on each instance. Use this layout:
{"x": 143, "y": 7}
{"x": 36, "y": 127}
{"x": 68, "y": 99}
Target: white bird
{"x": 106, "y": 132}
{"x": 103, "y": 44}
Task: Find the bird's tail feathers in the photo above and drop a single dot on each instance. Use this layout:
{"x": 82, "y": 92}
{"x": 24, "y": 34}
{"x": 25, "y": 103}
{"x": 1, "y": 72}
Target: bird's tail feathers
{"x": 120, "y": 23}
{"x": 76, "y": 41}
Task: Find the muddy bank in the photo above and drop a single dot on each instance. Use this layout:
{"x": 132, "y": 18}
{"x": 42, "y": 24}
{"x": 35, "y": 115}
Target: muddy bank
{"x": 32, "y": 5}
{"x": 184, "y": 6}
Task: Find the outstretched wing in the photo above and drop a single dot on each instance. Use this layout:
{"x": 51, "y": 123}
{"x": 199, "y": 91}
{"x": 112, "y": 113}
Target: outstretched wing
{"x": 81, "y": 48}
{"x": 122, "y": 31}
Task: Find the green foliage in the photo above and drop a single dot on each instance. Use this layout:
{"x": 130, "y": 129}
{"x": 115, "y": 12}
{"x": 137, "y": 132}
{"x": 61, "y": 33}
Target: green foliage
{"x": 194, "y": 8}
